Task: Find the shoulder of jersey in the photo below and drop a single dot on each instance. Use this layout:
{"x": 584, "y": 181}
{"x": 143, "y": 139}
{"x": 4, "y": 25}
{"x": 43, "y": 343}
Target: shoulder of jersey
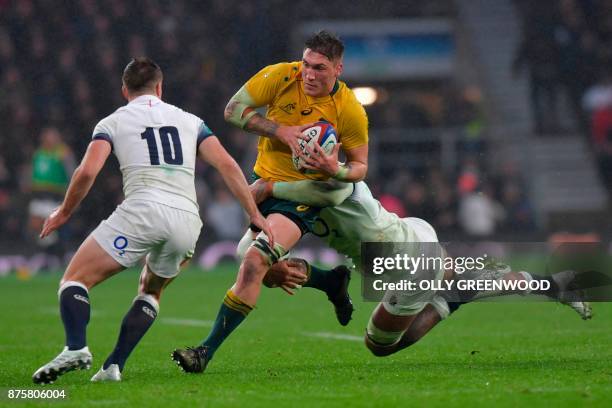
{"x": 118, "y": 110}
{"x": 346, "y": 93}
{"x": 346, "y": 97}
{"x": 287, "y": 70}
{"x": 295, "y": 69}
{"x": 176, "y": 108}
{"x": 112, "y": 118}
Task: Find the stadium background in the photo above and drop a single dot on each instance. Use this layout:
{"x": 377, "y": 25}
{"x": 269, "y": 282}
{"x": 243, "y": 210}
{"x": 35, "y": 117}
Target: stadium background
{"x": 491, "y": 121}
{"x": 482, "y": 123}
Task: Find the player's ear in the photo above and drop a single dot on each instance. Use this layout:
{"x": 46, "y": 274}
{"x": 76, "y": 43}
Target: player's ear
{"x": 339, "y": 68}
{"x": 124, "y": 92}
{"x": 158, "y": 89}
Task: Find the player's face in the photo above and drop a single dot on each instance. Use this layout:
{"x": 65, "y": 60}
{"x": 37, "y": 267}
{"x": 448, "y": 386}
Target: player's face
{"x": 319, "y": 74}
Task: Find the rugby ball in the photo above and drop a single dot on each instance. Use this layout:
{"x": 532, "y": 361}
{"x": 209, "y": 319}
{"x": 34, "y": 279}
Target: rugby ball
{"x": 322, "y": 133}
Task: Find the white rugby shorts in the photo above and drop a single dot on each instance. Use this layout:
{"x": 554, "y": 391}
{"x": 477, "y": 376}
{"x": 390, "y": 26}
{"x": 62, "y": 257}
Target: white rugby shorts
{"x": 137, "y": 228}
{"x": 412, "y": 302}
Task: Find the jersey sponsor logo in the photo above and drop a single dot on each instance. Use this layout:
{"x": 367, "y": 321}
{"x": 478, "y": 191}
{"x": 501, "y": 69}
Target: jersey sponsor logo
{"x": 81, "y": 298}
{"x": 120, "y": 243}
{"x": 302, "y": 208}
{"x": 288, "y": 108}
{"x": 306, "y": 112}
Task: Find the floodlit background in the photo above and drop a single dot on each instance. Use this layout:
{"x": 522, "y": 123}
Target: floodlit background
{"x": 491, "y": 119}
{"x": 487, "y": 118}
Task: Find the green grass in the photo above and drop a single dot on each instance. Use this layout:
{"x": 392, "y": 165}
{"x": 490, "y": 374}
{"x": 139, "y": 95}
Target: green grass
{"x": 506, "y": 354}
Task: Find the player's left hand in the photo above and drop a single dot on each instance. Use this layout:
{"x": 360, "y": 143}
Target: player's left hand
{"x": 317, "y": 160}
{"x": 53, "y": 222}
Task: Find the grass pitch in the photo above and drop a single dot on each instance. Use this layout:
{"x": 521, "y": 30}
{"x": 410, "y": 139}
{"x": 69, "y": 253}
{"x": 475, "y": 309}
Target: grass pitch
{"x": 291, "y": 352}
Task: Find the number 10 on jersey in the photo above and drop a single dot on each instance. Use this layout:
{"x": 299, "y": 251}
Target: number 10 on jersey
{"x": 172, "y": 154}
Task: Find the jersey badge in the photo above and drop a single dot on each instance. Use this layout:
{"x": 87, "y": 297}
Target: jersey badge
{"x": 288, "y": 108}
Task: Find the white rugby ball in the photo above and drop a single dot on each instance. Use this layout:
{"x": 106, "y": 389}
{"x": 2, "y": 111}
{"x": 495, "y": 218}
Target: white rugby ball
{"x": 321, "y": 133}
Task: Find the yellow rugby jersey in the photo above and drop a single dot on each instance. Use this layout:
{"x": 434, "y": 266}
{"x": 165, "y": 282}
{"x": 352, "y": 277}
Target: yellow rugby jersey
{"x": 279, "y": 87}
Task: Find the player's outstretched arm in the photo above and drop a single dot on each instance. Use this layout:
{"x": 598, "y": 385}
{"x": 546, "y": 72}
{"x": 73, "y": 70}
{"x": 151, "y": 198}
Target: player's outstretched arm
{"x": 329, "y": 193}
{"x": 211, "y": 151}
{"x": 80, "y": 184}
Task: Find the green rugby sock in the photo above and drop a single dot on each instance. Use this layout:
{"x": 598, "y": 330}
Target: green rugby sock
{"x": 231, "y": 313}
{"x": 322, "y": 279}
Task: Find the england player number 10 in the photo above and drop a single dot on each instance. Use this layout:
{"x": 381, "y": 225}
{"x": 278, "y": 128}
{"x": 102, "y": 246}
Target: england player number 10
{"x": 172, "y": 155}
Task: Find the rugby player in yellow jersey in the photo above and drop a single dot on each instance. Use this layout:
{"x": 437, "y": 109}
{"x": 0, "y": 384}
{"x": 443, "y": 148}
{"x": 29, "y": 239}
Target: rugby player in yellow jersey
{"x": 296, "y": 94}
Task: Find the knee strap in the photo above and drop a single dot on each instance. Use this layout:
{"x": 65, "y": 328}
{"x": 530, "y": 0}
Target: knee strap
{"x": 271, "y": 255}
{"x": 384, "y": 338}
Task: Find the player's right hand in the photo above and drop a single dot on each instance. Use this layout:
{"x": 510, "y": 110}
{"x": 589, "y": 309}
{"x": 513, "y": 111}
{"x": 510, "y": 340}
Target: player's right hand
{"x": 288, "y": 274}
{"x": 291, "y": 135}
{"x": 53, "y": 222}
{"x": 260, "y": 222}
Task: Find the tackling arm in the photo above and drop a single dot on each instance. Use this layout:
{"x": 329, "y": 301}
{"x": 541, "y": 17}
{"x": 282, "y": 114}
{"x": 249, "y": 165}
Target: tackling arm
{"x": 328, "y": 193}
{"x": 211, "y": 151}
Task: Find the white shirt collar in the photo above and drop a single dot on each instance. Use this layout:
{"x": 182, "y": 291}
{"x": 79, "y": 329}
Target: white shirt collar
{"x": 146, "y": 100}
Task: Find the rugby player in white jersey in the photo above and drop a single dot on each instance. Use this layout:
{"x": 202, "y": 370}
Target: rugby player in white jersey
{"x": 352, "y": 216}
{"x": 156, "y": 145}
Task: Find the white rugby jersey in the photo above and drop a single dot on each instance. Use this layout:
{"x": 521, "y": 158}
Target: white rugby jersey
{"x": 361, "y": 218}
{"x": 156, "y": 145}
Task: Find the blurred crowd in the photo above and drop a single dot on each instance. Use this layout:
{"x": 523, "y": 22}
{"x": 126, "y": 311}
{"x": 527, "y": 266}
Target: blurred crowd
{"x": 474, "y": 200}
{"x": 566, "y": 49}
{"x": 60, "y": 70}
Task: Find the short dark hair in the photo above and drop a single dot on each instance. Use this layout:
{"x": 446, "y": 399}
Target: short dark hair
{"x": 327, "y": 44}
{"x": 141, "y": 73}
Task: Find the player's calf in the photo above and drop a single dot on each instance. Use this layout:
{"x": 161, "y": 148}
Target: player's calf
{"x": 232, "y": 312}
{"x": 134, "y": 326}
{"x": 137, "y": 321}
{"x": 75, "y": 311}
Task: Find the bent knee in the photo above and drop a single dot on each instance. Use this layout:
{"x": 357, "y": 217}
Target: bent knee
{"x": 244, "y": 244}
